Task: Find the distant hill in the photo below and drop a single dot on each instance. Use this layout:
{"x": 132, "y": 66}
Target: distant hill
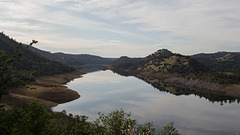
{"x": 125, "y": 62}
{"x": 220, "y": 61}
{"x": 35, "y": 62}
{"x": 165, "y": 61}
{"x": 162, "y": 61}
{"x": 82, "y": 59}
{"x": 214, "y": 76}
{"x": 75, "y": 60}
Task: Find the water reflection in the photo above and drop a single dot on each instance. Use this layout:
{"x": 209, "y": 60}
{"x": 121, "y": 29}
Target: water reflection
{"x": 105, "y": 91}
{"x": 90, "y": 68}
{"x": 162, "y": 85}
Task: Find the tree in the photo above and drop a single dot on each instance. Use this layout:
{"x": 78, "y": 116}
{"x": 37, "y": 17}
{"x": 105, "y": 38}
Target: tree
{"x": 35, "y": 119}
{"x": 119, "y": 123}
{"x": 10, "y": 76}
{"x": 31, "y": 119}
{"x": 169, "y": 130}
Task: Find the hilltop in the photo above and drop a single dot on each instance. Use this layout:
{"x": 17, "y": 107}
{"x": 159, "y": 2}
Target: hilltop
{"x": 161, "y": 61}
{"x": 167, "y": 62}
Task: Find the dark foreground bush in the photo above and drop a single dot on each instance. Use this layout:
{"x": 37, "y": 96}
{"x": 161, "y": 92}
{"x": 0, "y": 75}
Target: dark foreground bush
{"x": 35, "y": 119}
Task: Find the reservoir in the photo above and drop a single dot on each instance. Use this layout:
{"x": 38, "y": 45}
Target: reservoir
{"x": 105, "y": 91}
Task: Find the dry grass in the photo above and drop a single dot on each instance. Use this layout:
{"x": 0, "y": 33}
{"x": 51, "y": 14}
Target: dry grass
{"x": 50, "y": 91}
{"x": 233, "y": 90}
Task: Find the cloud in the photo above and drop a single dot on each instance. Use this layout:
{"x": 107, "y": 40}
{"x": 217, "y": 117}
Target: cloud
{"x": 203, "y": 24}
{"x": 182, "y": 26}
{"x": 97, "y": 47}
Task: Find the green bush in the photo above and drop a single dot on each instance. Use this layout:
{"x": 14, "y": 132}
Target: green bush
{"x": 169, "y": 130}
{"x": 119, "y": 123}
{"x": 35, "y": 119}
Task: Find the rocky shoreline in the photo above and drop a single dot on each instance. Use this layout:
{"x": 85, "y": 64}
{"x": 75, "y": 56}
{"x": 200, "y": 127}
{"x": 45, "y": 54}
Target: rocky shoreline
{"x": 49, "y": 90}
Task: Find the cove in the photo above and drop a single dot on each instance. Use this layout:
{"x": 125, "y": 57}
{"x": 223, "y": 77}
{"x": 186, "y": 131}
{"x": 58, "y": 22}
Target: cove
{"x": 105, "y": 91}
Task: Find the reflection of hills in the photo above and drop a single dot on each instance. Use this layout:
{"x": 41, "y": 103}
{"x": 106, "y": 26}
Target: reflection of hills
{"x": 162, "y": 85}
{"x": 89, "y": 68}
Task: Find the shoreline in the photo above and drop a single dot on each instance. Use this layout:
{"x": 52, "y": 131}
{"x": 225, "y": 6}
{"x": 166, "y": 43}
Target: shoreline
{"x": 194, "y": 86}
{"x": 48, "y": 90}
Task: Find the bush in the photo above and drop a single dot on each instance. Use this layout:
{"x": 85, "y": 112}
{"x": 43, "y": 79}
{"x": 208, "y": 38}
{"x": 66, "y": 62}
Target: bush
{"x": 35, "y": 119}
{"x": 119, "y": 123}
{"x": 169, "y": 130}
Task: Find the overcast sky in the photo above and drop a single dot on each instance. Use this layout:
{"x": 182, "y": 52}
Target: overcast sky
{"x": 113, "y": 28}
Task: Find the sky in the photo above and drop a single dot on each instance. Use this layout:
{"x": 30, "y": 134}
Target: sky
{"x": 114, "y": 28}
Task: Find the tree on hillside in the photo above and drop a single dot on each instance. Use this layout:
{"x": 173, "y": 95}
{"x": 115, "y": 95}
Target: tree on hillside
{"x": 10, "y": 76}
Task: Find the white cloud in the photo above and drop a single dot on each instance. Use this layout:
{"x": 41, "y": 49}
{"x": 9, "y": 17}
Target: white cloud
{"x": 182, "y": 26}
{"x": 98, "y": 47}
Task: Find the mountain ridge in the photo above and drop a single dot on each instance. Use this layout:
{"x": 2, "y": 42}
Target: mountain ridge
{"x": 74, "y": 60}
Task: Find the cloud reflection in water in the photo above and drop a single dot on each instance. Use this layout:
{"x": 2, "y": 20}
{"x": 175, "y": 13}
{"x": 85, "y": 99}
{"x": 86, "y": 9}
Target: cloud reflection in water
{"x": 105, "y": 91}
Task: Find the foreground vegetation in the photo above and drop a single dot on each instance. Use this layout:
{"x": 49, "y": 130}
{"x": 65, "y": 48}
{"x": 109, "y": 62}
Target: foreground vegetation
{"x": 35, "y": 119}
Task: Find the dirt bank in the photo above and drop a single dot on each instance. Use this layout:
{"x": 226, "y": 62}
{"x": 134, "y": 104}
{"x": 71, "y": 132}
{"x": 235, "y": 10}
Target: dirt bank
{"x": 49, "y": 90}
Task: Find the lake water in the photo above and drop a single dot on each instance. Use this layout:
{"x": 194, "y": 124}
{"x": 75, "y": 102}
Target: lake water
{"x": 105, "y": 91}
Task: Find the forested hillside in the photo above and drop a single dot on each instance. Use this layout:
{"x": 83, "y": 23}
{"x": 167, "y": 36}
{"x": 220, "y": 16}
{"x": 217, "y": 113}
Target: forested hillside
{"x": 74, "y": 60}
{"x": 162, "y": 61}
{"x": 220, "y": 61}
{"x": 168, "y": 62}
{"x": 35, "y": 61}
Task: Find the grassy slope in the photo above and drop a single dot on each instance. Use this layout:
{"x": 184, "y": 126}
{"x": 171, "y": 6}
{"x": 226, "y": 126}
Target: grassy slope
{"x": 50, "y": 90}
